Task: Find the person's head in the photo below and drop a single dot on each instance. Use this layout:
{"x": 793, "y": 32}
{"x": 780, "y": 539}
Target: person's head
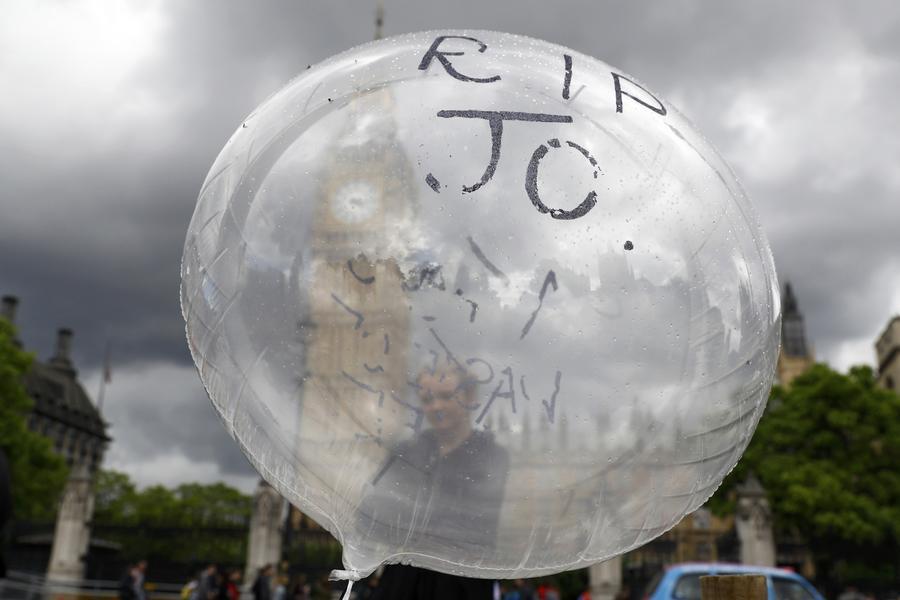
{"x": 235, "y": 575}
{"x": 210, "y": 569}
{"x": 141, "y": 566}
{"x": 448, "y": 397}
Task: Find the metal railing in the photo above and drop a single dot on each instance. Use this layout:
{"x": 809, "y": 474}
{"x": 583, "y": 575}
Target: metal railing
{"x": 25, "y": 586}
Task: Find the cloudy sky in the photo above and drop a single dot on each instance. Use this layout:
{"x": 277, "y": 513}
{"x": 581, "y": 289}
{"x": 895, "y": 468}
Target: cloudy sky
{"x": 112, "y": 113}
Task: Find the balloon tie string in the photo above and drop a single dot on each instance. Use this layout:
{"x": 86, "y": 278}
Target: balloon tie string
{"x": 345, "y": 575}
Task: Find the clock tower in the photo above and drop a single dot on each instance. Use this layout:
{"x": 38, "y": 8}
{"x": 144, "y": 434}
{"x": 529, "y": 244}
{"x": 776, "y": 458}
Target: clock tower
{"x": 357, "y": 327}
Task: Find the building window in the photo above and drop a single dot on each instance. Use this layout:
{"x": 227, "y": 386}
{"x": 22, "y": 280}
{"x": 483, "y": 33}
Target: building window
{"x": 889, "y": 382}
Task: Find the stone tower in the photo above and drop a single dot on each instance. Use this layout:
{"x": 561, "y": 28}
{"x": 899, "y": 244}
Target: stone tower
{"x": 62, "y": 410}
{"x": 357, "y": 327}
{"x": 887, "y": 350}
{"x": 796, "y": 354}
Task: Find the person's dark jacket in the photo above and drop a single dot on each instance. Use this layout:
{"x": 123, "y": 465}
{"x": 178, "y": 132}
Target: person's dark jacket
{"x": 207, "y": 587}
{"x": 126, "y": 587}
{"x": 453, "y": 503}
{"x": 262, "y": 588}
{"x": 403, "y": 582}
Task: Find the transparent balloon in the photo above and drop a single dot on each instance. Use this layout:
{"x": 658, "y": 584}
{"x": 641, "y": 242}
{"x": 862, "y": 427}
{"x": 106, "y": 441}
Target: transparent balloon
{"x": 480, "y": 303}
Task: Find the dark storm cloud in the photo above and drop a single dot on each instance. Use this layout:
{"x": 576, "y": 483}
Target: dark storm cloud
{"x": 842, "y": 263}
{"x": 104, "y": 255}
{"x": 101, "y": 161}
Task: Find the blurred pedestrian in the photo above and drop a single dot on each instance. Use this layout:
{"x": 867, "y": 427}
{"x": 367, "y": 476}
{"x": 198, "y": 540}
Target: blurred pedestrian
{"x": 208, "y": 585}
{"x": 515, "y": 593}
{"x": 140, "y": 572}
{"x": 126, "y": 584}
{"x": 230, "y": 588}
{"x": 187, "y": 592}
{"x": 301, "y": 590}
{"x": 262, "y": 586}
{"x": 131, "y": 586}
{"x": 851, "y": 593}
{"x": 281, "y": 584}
{"x": 520, "y": 590}
{"x": 546, "y": 591}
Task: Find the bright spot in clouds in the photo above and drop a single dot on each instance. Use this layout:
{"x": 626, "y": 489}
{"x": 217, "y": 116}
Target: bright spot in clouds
{"x": 74, "y": 68}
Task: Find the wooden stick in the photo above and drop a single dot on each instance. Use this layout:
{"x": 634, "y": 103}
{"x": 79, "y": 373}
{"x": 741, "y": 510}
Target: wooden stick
{"x": 733, "y": 587}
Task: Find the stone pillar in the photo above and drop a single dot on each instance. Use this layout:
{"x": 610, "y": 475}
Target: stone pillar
{"x": 73, "y": 530}
{"x": 606, "y": 579}
{"x": 266, "y": 530}
{"x": 753, "y": 522}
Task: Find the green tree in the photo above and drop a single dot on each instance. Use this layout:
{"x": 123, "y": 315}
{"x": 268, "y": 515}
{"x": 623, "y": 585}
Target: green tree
{"x": 114, "y": 498}
{"x": 215, "y": 505}
{"x": 193, "y": 522}
{"x": 827, "y": 451}
{"x": 38, "y": 473}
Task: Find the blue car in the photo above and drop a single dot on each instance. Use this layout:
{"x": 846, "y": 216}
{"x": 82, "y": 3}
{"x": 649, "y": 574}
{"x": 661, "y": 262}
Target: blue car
{"x": 682, "y": 582}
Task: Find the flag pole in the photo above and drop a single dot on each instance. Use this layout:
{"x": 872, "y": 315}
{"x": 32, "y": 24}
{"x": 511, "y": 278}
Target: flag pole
{"x": 379, "y": 19}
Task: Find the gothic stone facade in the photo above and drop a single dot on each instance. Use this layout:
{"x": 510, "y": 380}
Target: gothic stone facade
{"x": 62, "y": 409}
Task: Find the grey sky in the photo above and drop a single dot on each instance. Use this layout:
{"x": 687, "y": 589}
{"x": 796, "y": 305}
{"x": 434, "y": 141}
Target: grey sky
{"x": 112, "y": 115}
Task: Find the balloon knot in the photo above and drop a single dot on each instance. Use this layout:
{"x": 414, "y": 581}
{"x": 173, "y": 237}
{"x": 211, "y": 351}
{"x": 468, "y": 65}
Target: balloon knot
{"x": 344, "y": 575}
{"x": 349, "y": 576}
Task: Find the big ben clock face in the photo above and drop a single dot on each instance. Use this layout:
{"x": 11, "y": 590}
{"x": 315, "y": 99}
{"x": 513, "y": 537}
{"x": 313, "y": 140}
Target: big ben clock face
{"x": 355, "y": 202}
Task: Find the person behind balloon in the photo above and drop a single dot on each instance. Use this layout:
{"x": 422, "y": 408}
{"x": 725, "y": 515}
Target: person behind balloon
{"x": 262, "y": 585}
{"x": 443, "y": 488}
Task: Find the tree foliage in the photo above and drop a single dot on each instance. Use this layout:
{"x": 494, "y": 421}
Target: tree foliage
{"x": 192, "y": 522}
{"x": 827, "y": 452}
{"x": 38, "y": 474}
{"x": 119, "y": 502}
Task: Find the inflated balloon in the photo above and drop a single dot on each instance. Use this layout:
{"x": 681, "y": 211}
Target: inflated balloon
{"x": 480, "y": 303}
